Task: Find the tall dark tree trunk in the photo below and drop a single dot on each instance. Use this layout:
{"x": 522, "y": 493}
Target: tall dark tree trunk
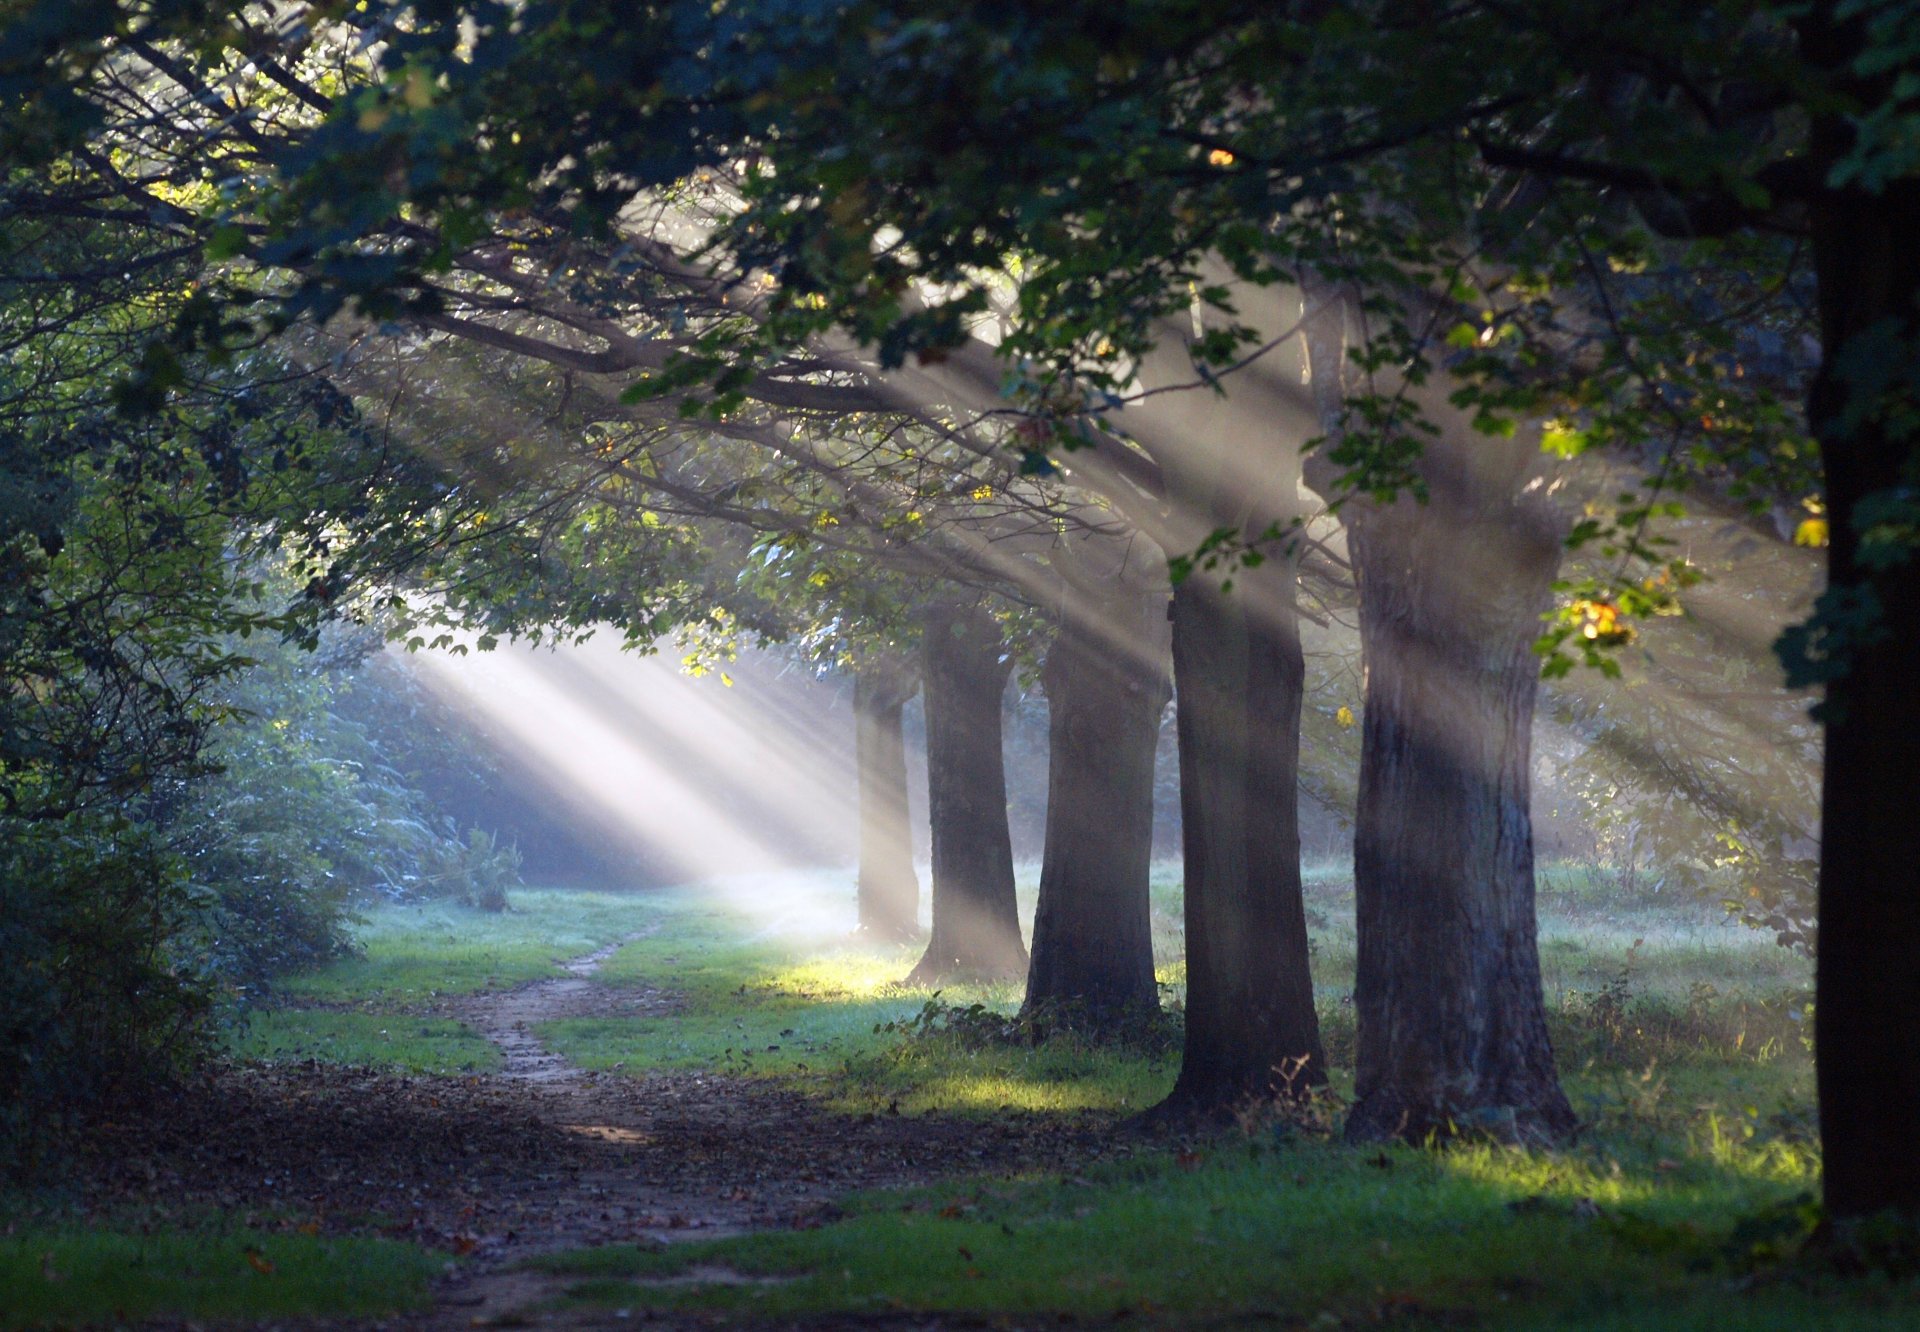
{"x": 888, "y": 890}
{"x": 976, "y": 923}
{"x": 1452, "y": 1031}
{"x": 1867, "y": 1019}
{"x": 1106, "y": 684}
{"x": 1447, "y": 993}
{"x": 1238, "y": 675}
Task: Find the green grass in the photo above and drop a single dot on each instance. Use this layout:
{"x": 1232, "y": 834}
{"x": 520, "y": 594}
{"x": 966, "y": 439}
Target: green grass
{"x": 377, "y": 1040}
{"x": 1681, "y": 1040}
{"x": 410, "y": 954}
{"x": 799, "y": 1006}
{"x": 1649, "y": 999}
{"x": 66, "y": 1277}
{"x": 1665, "y": 996}
{"x": 1307, "y": 1234}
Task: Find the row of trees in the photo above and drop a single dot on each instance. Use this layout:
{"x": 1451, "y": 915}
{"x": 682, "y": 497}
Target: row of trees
{"x": 1128, "y": 280}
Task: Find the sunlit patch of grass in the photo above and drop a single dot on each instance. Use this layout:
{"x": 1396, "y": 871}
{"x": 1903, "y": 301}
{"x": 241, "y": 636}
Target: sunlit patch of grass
{"x": 946, "y": 1075}
{"x": 65, "y": 1277}
{"x": 376, "y": 1040}
{"x": 1307, "y": 1234}
{"x": 411, "y": 953}
{"x": 837, "y": 1016}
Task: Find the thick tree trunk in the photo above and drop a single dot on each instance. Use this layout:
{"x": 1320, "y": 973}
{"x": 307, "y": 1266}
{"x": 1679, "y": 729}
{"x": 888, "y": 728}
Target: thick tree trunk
{"x": 1447, "y": 993}
{"x": 888, "y": 889}
{"x": 976, "y": 924}
{"x": 1251, "y": 1029}
{"x": 1092, "y": 928}
{"x": 1867, "y": 1019}
{"x": 1452, "y": 1031}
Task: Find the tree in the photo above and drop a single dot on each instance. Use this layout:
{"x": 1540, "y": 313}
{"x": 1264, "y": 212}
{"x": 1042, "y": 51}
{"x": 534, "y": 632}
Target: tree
{"x": 1447, "y": 991}
{"x": 1574, "y": 139}
{"x": 1107, "y": 684}
{"x": 837, "y": 567}
{"x": 976, "y": 923}
{"x": 151, "y": 564}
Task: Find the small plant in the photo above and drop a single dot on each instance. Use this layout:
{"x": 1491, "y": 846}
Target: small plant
{"x": 477, "y": 873}
{"x": 1609, "y": 1007}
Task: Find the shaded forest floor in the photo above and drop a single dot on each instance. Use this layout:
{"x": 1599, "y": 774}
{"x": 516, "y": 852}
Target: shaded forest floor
{"x": 706, "y": 1108}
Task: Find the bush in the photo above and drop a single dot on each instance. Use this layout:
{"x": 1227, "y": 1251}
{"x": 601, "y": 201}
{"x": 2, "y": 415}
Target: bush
{"x": 96, "y": 998}
{"x": 306, "y": 813}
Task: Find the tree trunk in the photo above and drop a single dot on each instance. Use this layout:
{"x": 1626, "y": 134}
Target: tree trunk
{"x": 1092, "y": 927}
{"x": 1452, "y": 1030}
{"x": 1251, "y": 1026}
{"x": 1447, "y": 993}
{"x": 888, "y": 890}
{"x": 1867, "y": 1018}
{"x": 976, "y": 924}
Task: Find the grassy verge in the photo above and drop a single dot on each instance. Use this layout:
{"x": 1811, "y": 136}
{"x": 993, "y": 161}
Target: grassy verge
{"x": 64, "y": 1277}
{"x": 379, "y": 1040}
{"x": 1650, "y": 1000}
{"x": 367, "y": 1009}
{"x": 1305, "y": 1234}
{"x": 413, "y": 954}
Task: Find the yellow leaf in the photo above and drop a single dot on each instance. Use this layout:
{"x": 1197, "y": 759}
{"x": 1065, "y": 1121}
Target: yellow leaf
{"x": 1561, "y": 441}
{"x": 1344, "y": 717}
{"x": 1811, "y": 532}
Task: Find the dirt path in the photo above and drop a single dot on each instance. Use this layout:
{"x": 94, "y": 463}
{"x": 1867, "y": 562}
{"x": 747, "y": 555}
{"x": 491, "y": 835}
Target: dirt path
{"x": 507, "y": 1017}
{"x": 539, "y": 1156}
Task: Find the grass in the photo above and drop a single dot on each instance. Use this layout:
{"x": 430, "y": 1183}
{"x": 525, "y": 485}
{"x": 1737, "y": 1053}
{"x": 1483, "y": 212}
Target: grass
{"x": 396, "y": 1041}
{"x": 365, "y": 1009}
{"x": 411, "y": 954}
{"x": 1306, "y": 1234}
{"x": 64, "y": 1277}
{"x": 830, "y": 1012}
{"x": 1649, "y": 999}
{"x": 1681, "y": 1039}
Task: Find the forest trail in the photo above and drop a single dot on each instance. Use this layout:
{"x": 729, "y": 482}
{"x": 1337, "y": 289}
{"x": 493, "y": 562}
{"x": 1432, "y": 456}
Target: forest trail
{"x": 507, "y": 1018}
{"x": 540, "y": 1155}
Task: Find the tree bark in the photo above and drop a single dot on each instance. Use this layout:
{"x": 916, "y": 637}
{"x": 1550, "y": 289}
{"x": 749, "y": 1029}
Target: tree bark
{"x": 976, "y": 924}
{"x": 1251, "y": 1028}
{"x": 888, "y": 890}
{"x": 1447, "y": 992}
{"x": 1092, "y": 927}
{"x": 1867, "y": 1017}
{"x": 1452, "y": 1031}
